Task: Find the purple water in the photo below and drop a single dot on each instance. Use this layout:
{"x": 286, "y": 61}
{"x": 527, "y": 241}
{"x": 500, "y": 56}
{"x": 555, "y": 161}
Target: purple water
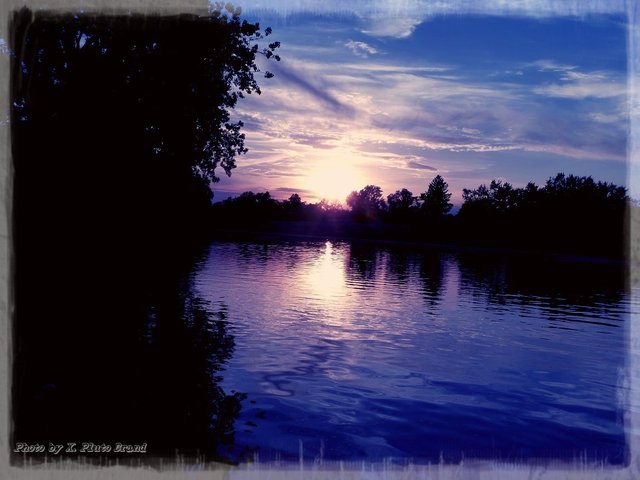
{"x": 353, "y": 352}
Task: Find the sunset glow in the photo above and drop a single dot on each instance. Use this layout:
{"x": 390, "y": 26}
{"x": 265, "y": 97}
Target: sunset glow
{"x": 332, "y": 179}
{"x": 325, "y": 276}
{"x": 357, "y": 100}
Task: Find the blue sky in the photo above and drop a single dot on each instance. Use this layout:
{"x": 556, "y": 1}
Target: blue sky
{"x": 392, "y": 95}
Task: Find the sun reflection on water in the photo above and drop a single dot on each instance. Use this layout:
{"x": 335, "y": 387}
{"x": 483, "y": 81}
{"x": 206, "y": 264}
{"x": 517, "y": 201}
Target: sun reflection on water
{"x": 325, "y": 276}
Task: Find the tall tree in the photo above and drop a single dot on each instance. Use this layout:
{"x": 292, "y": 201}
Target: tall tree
{"x": 141, "y": 104}
{"x": 436, "y": 198}
{"x": 119, "y": 124}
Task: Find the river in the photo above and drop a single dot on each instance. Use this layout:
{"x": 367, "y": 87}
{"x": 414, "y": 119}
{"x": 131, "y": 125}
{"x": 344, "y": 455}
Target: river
{"x": 361, "y": 352}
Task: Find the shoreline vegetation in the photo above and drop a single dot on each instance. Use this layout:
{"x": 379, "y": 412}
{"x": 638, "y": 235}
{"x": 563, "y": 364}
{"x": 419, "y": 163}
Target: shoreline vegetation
{"x": 570, "y": 217}
{"x": 119, "y": 124}
{"x": 275, "y": 233}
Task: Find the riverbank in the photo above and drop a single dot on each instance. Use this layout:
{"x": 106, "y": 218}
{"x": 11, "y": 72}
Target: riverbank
{"x": 400, "y": 236}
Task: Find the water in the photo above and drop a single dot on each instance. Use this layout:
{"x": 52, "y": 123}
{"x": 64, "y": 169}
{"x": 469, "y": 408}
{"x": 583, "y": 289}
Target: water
{"x": 358, "y": 352}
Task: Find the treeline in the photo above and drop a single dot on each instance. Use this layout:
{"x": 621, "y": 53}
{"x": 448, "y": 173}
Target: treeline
{"x": 568, "y": 214}
{"x": 119, "y": 123}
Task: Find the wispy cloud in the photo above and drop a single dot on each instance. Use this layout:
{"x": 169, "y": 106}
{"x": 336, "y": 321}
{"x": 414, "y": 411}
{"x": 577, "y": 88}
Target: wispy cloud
{"x": 361, "y": 49}
{"x": 425, "y": 114}
{"x": 390, "y": 68}
{"x": 398, "y": 18}
{"x": 544, "y": 65}
{"x": 392, "y": 26}
{"x": 580, "y": 85}
{"x": 535, "y": 8}
{"x": 420, "y": 166}
{"x": 399, "y": 117}
{"x": 313, "y": 87}
{"x": 292, "y": 190}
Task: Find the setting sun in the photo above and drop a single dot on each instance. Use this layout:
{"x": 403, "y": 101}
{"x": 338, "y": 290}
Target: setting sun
{"x": 402, "y": 248}
{"x": 333, "y": 178}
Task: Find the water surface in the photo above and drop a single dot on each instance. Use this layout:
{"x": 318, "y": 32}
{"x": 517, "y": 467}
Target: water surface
{"x": 358, "y": 352}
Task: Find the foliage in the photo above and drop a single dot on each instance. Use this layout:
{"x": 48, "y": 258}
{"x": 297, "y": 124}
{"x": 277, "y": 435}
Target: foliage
{"x": 562, "y": 191}
{"x": 119, "y": 124}
{"x": 401, "y": 200}
{"x": 436, "y": 198}
{"x": 251, "y": 209}
{"x": 569, "y": 213}
{"x": 368, "y": 203}
{"x": 401, "y": 206}
{"x": 138, "y": 103}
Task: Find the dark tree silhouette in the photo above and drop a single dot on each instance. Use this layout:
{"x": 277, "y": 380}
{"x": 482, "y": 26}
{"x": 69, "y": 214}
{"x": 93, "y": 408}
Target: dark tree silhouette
{"x": 367, "y": 204}
{"x": 401, "y": 200}
{"x": 119, "y": 124}
{"x": 295, "y": 200}
{"x": 400, "y": 205}
{"x": 151, "y": 95}
{"x": 569, "y": 214}
{"x": 294, "y": 207}
{"x": 436, "y": 198}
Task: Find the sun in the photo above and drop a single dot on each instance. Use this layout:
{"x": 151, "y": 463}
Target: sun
{"x": 333, "y": 179}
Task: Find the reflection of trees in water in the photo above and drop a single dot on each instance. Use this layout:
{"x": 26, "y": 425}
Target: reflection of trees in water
{"x": 432, "y": 273}
{"x": 363, "y": 263}
{"x": 254, "y": 253}
{"x": 541, "y": 281}
{"x": 188, "y": 346}
{"x": 264, "y": 254}
{"x": 482, "y": 276}
{"x": 126, "y": 363}
{"x": 428, "y": 266}
{"x": 400, "y": 266}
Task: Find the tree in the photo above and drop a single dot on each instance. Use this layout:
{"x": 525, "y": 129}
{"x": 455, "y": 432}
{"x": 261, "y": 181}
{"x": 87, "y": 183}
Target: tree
{"x": 294, "y": 207}
{"x": 499, "y": 198}
{"x": 400, "y": 204}
{"x": 504, "y": 196}
{"x": 436, "y": 198}
{"x": 295, "y": 200}
{"x": 135, "y": 101}
{"x": 570, "y": 213}
{"x": 368, "y": 203}
{"x": 119, "y": 124}
{"x": 401, "y": 200}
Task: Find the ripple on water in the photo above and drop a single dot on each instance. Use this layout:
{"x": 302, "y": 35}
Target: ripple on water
{"x": 376, "y": 352}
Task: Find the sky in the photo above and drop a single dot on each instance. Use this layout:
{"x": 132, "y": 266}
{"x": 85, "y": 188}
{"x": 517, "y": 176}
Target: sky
{"x": 393, "y": 94}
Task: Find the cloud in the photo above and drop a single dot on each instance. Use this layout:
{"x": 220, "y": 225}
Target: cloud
{"x": 313, "y": 139}
{"x": 312, "y": 87}
{"x": 607, "y": 118}
{"x": 361, "y": 49}
{"x": 578, "y": 85}
{"x": 546, "y": 65}
{"x": 293, "y": 190}
{"x": 420, "y": 166}
{"x": 392, "y": 26}
{"x": 397, "y": 119}
{"x": 390, "y": 68}
{"x": 581, "y": 85}
{"x": 392, "y": 8}
{"x": 398, "y": 18}
{"x": 583, "y": 90}
{"x": 278, "y": 164}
